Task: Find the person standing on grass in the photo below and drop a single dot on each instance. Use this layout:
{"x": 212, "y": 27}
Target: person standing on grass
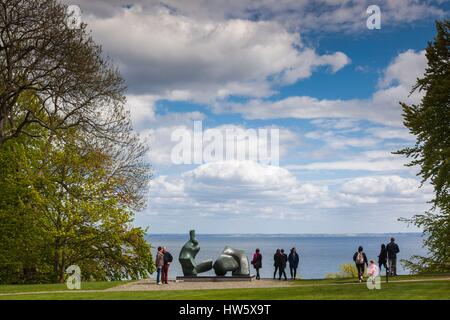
{"x": 276, "y": 262}
{"x": 282, "y": 261}
{"x": 373, "y": 270}
{"x": 257, "y": 262}
{"x": 392, "y": 250}
{"x": 167, "y": 261}
{"x": 293, "y": 263}
{"x": 360, "y": 259}
{"x": 159, "y": 263}
{"x": 382, "y": 258}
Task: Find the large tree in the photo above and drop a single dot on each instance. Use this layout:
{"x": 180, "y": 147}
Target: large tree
{"x": 63, "y": 67}
{"x": 429, "y": 121}
{"x": 72, "y": 169}
{"x": 68, "y": 200}
{"x": 87, "y": 204}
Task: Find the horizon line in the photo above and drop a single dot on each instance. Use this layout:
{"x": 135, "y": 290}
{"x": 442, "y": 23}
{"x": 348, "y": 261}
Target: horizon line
{"x": 293, "y": 234}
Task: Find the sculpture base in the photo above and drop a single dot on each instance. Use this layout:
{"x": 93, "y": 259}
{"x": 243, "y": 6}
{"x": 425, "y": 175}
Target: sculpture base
{"x": 216, "y": 278}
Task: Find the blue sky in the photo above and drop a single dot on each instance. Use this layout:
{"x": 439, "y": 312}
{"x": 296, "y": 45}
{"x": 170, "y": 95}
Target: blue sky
{"x": 311, "y": 69}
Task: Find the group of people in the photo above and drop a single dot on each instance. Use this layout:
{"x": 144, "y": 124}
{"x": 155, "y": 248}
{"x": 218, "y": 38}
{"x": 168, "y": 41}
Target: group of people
{"x": 281, "y": 259}
{"x": 387, "y": 259}
{"x": 162, "y": 263}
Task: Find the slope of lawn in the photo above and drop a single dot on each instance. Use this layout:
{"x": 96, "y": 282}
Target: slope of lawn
{"x": 383, "y": 279}
{"x": 101, "y": 285}
{"x": 302, "y": 290}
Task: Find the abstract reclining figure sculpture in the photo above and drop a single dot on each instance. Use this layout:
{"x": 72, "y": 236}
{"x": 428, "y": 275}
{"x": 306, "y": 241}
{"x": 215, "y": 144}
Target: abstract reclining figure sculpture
{"x": 233, "y": 260}
{"x": 187, "y": 258}
{"x": 229, "y": 260}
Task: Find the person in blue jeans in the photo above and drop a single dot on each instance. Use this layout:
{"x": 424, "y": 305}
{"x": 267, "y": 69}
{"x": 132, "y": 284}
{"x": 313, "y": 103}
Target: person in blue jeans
{"x": 392, "y": 250}
{"x": 159, "y": 263}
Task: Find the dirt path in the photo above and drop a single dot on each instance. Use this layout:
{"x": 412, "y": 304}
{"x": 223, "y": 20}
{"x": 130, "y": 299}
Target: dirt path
{"x": 150, "y": 285}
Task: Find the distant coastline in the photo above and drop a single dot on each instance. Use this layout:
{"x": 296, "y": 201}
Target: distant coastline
{"x": 309, "y": 235}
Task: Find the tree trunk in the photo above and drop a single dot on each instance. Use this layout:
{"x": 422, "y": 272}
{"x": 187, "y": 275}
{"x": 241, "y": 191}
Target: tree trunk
{"x": 56, "y": 260}
{"x": 62, "y": 268}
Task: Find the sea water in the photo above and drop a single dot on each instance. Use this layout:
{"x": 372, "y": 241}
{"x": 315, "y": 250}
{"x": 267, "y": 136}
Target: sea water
{"x": 319, "y": 254}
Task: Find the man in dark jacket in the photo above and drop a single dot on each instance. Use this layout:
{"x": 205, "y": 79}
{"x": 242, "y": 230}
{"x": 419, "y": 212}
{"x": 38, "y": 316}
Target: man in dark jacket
{"x": 276, "y": 262}
{"x": 392, "y": 250}
{"x": 165, "y": 270}
{"x": 282, "y": 261}
{"x": 382, "y": 258}
{"x": 293, "y": 262}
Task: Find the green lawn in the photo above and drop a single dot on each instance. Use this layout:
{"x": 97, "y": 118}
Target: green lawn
{"x": 10, "y": 288}
{"x": 383, "y": 279}
{"x": 303, "y": 289}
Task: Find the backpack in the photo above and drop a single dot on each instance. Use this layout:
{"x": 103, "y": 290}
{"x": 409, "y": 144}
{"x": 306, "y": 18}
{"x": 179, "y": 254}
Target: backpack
{"x": 168, "y": 257}
{"x": 360, "y": 258}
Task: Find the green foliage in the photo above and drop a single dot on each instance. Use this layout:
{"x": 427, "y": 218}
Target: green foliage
{"x": 60, "y": 205}
{"x": 430, "y": 120}
{"x": 21, "y": 243}
{"x": 72, "y": 172}
{"x": 430, "y": 123}
{"x": 347, "y": 270}
{"x": 437, "y": 239}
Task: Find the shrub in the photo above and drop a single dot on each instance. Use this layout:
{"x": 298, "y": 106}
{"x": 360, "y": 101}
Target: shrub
{"x": 348, "y": 270}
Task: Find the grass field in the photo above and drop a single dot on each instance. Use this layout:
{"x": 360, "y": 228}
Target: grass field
{"x": 14, "y": 288}
{"x": 420, "y": 288}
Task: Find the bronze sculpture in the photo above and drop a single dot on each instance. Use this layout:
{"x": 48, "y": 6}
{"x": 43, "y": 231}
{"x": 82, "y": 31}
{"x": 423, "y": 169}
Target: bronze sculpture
{"x": 230, "y": 259}
{"x": 233, "y": 260}
{"x": 187, "y": 258}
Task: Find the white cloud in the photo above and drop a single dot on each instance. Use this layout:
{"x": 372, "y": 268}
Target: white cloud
{"x": 337, "y": 124}
{"x": 248, "y": 189}
{"x": 182, "y": 58}
{"x": 381, "y": 185}
{"x": 141, "y": 108}
{"x": 387, "y": 133}
{"x": 159, "y": 137}
{"x": 338, "y": 141}
{"x": 237, "y": 187}
{"x": 405, "y": 69}
{"x": 374, "y": 161}
{"x": 314, "y": 15}
{"x": 383, "y": 107}
{"x": 244, "y": 173}
{"x": 384, "y": 189}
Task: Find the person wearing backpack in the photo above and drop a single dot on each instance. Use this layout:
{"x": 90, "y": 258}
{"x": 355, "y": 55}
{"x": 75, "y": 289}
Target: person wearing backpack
{"x": 392, "y": 250}
{"x": 360, "y": 259}
{"x": 167, "y": 261}
{"x": 293, "y": 263}
{"x": 257, "y": 262}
